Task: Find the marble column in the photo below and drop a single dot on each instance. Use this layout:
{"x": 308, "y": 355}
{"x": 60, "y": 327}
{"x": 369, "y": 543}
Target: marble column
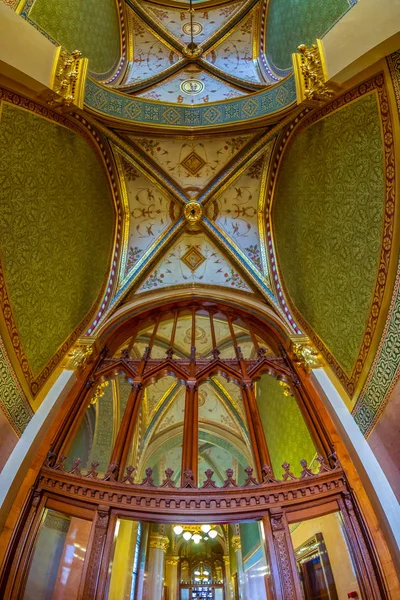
{"x": 228, "y": 580}
{"x": 237, "y": 545}
{"x": 171, "y": 576}
{"x": 158, "y": 545}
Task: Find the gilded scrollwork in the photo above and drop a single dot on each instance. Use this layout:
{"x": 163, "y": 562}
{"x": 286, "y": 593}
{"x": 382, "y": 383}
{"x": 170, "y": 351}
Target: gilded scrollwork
{"x": 311, "y": 74}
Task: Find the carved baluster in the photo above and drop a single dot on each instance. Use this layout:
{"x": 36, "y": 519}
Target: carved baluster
{"x": 267, "y": 474}
{"x": 168, "y": 483}
{"x": 92, "y": 473}
{"x": 322, "y": 466}
{"x": 96, "y": 549}
{"x": 209, "y": 483}
{"x": 60, "y": 464}
{"x": 75, "y": 470}
{"x": 110, "y": 475}
{"x": 306, "y": 472}
{"x": 188, "y": 479}
{"x": 128, "y": 478}
{"x": 229, "y": 481}
{"x": 250, "y": 479}
{"x": 287, "y": 474}
{"x": 148, "y": 480}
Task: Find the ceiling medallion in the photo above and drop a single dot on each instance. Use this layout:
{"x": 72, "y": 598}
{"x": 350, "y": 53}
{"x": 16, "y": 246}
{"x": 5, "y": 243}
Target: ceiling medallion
{"x": 193, "y": 258}
{"x": 194, "y": 28}
{"x": 192, "y": 87}
{"x": 193, "y": 163}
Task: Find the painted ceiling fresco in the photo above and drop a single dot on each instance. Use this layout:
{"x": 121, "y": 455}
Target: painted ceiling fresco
{"x": 237, "y": 53}
{"x": 205, "y": 21}
{"x": 151, "y": 55}
{"x": 151, "y": 211}
{"x": 192, "y": 162}
{"x": 192, "y": 85}
{"x": 194, "y": 259}
{"x": 239, "y": 208}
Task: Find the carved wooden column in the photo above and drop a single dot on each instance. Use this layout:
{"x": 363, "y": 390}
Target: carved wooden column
{"x": 125, "y": 433}
{"x": 361, "y": 549}
{"x": 190, "y": 448}
{"x": 283, "y": 563}
{"x": 261, "y": 449}
{"x": 95, "y": 548}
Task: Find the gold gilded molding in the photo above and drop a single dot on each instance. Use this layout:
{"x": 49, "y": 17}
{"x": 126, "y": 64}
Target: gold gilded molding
{"x": 236, "y": 542}
{"x": 158, "y": 541}
{"x": 193, "y": 213}
{"x": 80, "y": 354}
{"x": 99, "y": 392}
{"x": 172, "y": 560}
{"x": 305, "y": 354}
{"x": 68, "y": 79}
{"x": 311, "y": 75}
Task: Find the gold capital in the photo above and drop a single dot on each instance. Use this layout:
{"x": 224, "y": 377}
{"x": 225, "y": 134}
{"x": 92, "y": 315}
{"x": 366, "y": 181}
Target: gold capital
{"x": 306, "y": 356}
{"x": 236, "y": 542}
{"x": 158, "y": 541}
{"x": 310, "y": 74}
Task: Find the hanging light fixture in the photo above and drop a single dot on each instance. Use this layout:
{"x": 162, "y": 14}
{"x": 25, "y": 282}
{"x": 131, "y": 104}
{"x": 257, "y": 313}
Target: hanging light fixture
{"x": 196, "y": 537}
{"x": 213, "y": 533}
{"x": 192, "y": 46}
{"x": 205, "y": 528}
{"x": 187, "y": 535}
{"x": 178, "y": 529}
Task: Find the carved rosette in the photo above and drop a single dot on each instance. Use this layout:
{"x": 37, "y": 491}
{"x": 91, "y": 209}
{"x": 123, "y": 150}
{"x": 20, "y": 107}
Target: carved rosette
{"x": 159, "y": 541}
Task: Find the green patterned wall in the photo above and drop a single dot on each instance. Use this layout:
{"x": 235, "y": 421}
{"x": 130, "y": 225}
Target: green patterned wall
{"x": 249, "y": 538}
{"x": 91, "y": 26}
{"x": 328, "y": 222}
{"x": 287, "y": 436}
{"x": 294, "y": 22}
{"x": 56, "y": 229}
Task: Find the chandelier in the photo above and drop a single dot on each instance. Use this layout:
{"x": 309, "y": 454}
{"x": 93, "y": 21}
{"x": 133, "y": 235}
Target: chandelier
{"x": 207, "y": 532}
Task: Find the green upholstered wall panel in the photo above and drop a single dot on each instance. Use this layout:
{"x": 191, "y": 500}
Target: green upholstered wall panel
{"x": 328, "y": 222}
{"x": 56, "y": 229}
{"x": 250, "y": 538}
{"x": 286, "y": 432}
{"x": 294, "y": 22}
{"x": 91, "y": 26}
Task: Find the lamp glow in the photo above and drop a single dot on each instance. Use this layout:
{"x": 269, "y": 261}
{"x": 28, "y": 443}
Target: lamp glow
{"x": 206, "y": 528}
{"x": 187, "y": 535}
{"x": 196, "y": 538}
{"x": 178, "y": 529}
{"x": 213, "y": 533}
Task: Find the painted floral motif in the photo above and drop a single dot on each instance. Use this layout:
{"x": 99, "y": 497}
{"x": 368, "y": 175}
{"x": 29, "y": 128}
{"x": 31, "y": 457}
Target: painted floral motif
{"x": 238, "y": 207}
{"x": 210, "y": 20}
{"x": 170, "y": 90}
{"x": 133, "y": 257}
{"x": 151, "y": 212}
{"x": 214, "y": 270}
{"x": 151, "y": 55}
{"x": 234, "y": 55}
{"x": 253, "y": 252}
{"x": 171, "y": 154}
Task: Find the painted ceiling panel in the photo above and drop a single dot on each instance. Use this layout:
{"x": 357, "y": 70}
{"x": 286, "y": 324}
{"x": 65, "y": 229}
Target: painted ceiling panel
{"x": 175, "y": 413}
{"x": 192, "y": 85}
{"x": 151, "y": 211}
{"x": 194, "y": 258}
{"x": 238, "y": 208}
{"x": 154, "y": 393}
{"x": 205, "y": 22}
{"x": 192, "y": 162}
{"x": 237, "y": 54}
{"x": 212, "y": 409}
{"x": 151, "y": 56}
{"x": 233, "y": 394}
